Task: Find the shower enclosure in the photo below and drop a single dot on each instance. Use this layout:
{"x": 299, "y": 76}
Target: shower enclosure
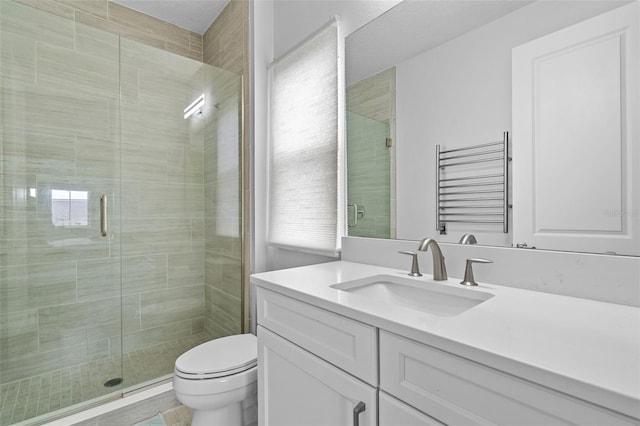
{"x": 120, "y": 243}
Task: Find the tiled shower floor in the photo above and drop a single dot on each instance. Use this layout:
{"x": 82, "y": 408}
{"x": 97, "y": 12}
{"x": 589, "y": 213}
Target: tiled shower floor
{"x": 37, "y": 395}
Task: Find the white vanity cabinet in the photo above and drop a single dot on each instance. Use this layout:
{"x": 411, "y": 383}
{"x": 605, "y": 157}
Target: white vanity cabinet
{"x": 458, "y": 391}
{"x": 316, "y": 366}
{"x": 313, "y": 365}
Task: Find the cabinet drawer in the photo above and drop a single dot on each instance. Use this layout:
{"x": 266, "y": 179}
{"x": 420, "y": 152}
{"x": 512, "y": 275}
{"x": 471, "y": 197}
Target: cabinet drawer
{"x": 345, "y": 343}
{"x": 455, "y": 390}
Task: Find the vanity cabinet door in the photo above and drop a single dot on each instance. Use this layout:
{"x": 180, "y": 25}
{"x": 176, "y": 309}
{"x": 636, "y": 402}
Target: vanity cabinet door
{"x": 296, "y": 388}
{"x": 458, "y": 391}
{"x": 343, "y": 342}
{"x": 393, "y": 412}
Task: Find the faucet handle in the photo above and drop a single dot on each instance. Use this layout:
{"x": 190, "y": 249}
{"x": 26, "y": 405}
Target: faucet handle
{"x": 415, "y": 268}
{"x": 468, "y": 279}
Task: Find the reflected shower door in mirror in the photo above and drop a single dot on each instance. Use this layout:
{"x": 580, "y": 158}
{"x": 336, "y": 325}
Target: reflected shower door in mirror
{"x": 453, "y": 88}
{"x": 370, "y": 156}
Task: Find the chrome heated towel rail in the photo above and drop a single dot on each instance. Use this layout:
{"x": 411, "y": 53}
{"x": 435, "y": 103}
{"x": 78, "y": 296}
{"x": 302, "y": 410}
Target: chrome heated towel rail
{"x": 472, "y": 185}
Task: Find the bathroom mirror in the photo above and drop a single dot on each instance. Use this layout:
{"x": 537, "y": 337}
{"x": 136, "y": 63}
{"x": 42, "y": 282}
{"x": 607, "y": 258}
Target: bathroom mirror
{"x": 439, "y": 72}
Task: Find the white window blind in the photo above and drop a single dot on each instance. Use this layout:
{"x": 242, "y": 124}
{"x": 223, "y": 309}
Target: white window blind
{"x": 304, "y": 197}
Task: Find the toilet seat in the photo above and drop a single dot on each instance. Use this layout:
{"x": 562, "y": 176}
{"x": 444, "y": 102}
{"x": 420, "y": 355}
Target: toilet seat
{"x": 218, "y": 358}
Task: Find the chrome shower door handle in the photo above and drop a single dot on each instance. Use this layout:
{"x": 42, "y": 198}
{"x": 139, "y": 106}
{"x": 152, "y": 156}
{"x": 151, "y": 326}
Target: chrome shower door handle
{"x": 359, "y": 408}
{"x": 103, "y": 215}
{"x": 355, "y": 215}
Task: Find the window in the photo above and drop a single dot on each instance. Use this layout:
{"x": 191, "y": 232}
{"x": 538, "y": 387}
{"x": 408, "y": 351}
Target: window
{"x": 305, "y": 147}
{"x": 69, "y": 208}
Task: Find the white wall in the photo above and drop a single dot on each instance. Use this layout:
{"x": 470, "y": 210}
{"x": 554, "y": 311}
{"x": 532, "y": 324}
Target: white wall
{"x": 460, "y": 94}
{"x": 277, "y": 27}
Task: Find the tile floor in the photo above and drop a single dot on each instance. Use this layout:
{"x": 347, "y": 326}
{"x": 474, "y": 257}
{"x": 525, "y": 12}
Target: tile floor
{"x": 179, "y": 416}
{"x": 37, "y": 395}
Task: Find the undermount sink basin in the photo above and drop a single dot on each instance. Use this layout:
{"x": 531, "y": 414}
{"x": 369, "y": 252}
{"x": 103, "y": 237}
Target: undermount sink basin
{"x": 417, "y": 294}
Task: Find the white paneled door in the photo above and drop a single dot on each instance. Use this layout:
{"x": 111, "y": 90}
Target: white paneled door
{"x": 576, "y": 183}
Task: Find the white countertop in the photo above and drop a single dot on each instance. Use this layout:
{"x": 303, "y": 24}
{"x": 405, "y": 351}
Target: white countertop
{"x": 585, "y": 348}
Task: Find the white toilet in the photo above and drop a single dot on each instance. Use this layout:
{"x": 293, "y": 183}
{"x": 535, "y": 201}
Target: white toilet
{"x": 215, "y": 377}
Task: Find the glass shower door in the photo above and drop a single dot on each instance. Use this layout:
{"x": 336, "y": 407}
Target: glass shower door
{"x": 368, "y": 177}
{"x": 60, "y": 285}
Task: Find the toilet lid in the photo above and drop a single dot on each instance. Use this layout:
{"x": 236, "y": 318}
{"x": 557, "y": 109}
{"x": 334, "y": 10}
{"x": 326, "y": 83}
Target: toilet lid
{"x": 219, "y": 357}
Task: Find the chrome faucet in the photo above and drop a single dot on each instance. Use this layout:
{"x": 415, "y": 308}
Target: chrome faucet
{"x": 468, "y": 239}
{"x": 439, "y": 268}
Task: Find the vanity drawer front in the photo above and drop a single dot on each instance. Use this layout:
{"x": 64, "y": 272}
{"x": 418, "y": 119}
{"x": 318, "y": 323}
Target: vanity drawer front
{"x": 455, "y": 390}
{"x": 345, "y": 343}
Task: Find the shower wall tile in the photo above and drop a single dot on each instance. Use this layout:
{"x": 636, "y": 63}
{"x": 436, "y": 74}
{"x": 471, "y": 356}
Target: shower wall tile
{"x": 195, "y": 42}
{"x": 44, "y": 245}
{"x": 142, "y": 164}
{"x": 36, "y": 285}
{"x": 214, "y": 329}
{"x": 225, "y": 42}
{"x": 222, "y": 235}
{"x": 374, "y": 97}
{"x": 37, "y": 362}
{"x": 95, "y": 42}
{"x": 148, "y": 25}
{"x": 129, "y": 199}
{"x": 170, "y": 200}
{"x": 15, "y": 198}
{"x": 19, "y": 333}
{"x": 128, "y": 84}
{"x": 185, "y": 165}
{"x": 122, "y": 30}
{"x": 131, "y": 311}
{"x": 197, "y": 235}
{"x": 77, "y": 72}
{"x": 171, "y": 306}
{"x": 38, "y": 152}
{"x": 197, "y": 325}
{"x": 179, "y": 49}
{"x": 96, "y": 158}
{"x": 38, "y": 25}
{"x": 52, "y": 6}
{"x": 135, "y": 55}
{"x": 149, "y": 236}
{"x": 213, "y": 270}
{"x": 142, "y": 274}
{"x": 151, "y": 336}
{"x": 227, "y": 310}
{"x": 94, "y": 7}
{"x": 152, "y": 128}
{"x": 231, "y": 274}
{"x": 55, "y": 111}
{"x": 223, "y": 197}
{"x": 164, "y": 92}
{"x": 98, "y": 279}
{"x": 78, "y": 323}
{"x": 186, "y": 269}
{"x": 65, "y": 305}
{"x": 17, "y": 57}
{"x": 117, "y": 19}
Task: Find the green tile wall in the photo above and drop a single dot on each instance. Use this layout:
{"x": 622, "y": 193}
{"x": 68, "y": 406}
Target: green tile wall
{"x": 368, "y": 175}
{"x": 84, "y": 110}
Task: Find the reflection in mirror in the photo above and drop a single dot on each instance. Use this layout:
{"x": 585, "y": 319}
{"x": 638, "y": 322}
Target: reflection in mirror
{"x": 453, "y": 62}
{"x": 370, "y": 156}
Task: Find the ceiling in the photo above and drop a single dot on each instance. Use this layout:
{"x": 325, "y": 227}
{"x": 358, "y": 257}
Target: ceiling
{"x": 193, "y": 15}
{"x": 425, "y": 25}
